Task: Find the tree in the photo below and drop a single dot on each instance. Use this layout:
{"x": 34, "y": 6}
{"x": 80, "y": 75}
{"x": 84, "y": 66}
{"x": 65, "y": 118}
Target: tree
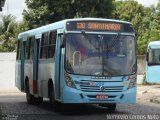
{"x": 146, "y": 20}
{"x": 7, "y": 33}
{"x": 42, "y": 12}
{"x": 131, "y": 11}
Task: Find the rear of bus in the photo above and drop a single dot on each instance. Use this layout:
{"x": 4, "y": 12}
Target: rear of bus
{"x": 100, "y": 64}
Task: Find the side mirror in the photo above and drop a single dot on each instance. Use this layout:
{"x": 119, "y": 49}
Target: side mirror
{"x": 62, "y": 40}
{"x": 136, "y": 34}
{"x": 147, "y": 56}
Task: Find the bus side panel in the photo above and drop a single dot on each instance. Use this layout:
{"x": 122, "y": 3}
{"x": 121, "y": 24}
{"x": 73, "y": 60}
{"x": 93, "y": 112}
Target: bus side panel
{"x": 18, "y": 74}
{"x": 45, "y": 73}
{"x": 153, "y": 74}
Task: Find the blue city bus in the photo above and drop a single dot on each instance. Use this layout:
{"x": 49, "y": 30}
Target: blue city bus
{"x": 153, "y": 62}
{"x": 78, "y": 61}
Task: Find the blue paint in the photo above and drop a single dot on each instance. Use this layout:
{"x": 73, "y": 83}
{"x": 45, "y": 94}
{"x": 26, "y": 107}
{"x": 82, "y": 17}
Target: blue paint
{"x": 153, "y": 74}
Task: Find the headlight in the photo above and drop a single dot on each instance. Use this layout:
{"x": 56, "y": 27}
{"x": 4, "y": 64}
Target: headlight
{"x": 132, "y": 82}
{"x": 69, "y": 81}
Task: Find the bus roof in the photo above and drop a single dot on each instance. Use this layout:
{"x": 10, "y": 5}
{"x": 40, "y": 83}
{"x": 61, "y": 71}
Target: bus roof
{"x": 62, "y": 24}
{"x": 154, "y": 44}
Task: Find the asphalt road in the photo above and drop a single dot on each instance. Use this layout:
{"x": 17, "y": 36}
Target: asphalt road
{"x": 14, "y": 107}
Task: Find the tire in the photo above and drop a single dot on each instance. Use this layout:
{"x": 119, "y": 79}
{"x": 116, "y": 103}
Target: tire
{"x": 110, "y": 106}
{"x": 30, "y": 98}
{"x": 56, "y": 106}
{"x": 39, "y": 100}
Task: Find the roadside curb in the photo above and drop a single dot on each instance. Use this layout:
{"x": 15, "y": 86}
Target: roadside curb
{"x": 11, "y": 94}
{"x": 10, "y": 91}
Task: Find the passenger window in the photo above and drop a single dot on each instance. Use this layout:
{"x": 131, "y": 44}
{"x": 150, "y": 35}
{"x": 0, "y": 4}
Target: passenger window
{"x": 44, "y": 46}
{"x": 24, "y": 48}
{"x": 31, "y": 47}
{"x": 44, "y": 39}
{"x": 27, "y": 50}
{"x": 52, "y": 44}
{"x": 18, "y": 57}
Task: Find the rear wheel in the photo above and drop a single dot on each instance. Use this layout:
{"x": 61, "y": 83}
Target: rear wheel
{"x": 39, "y": 100}
{"x": 30, "y": 98}
{"x": 110, "y": 106}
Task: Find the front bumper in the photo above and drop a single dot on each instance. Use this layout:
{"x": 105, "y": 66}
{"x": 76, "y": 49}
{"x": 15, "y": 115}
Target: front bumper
{"x": 70, "y": 95}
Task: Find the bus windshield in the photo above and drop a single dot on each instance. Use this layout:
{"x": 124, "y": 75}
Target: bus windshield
{"x": 100, "y": 54}
{"x": 154, "y": 56}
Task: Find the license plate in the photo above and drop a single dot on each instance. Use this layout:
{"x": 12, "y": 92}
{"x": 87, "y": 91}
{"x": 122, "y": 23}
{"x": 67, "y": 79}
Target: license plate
{"x": 101, "y": 97}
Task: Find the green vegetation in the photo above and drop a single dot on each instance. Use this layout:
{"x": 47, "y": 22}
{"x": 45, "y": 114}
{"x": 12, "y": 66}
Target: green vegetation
{"x": 7, "y": 33}
{"x": 146, "y": 20}
{"x": 43, "y": 12}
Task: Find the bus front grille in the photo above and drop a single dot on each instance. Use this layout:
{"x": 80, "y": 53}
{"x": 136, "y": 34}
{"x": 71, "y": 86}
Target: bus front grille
{"x": 86, "y": 87}
{"x": 105, "y": 89}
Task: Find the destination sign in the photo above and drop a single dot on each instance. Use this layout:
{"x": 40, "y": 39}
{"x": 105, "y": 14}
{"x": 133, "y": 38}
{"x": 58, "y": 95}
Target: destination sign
{"x": 99, "y": 26}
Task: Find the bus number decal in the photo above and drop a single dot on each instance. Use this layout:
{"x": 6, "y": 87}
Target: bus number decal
{"x": 96, "y": 84}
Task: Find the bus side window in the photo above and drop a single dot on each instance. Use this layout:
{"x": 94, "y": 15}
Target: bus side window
{"x": 24, "y": 49}
{"x": 44, "y": 46}
{"x": 52, "y": 44}
{"x": 29, "y": 44}
{"x": 31, "y": 47}
{"x": 18, "y": 57}
{"x": 27, "y": 50}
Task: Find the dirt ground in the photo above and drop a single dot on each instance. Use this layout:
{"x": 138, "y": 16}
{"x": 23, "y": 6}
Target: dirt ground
{"x": 148, "y": 93}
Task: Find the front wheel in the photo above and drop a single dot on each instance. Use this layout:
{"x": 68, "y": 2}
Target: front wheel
{"x": 56, "y": 106}
{"x": 110, "y": 106}
{"x": 29, "y": 97}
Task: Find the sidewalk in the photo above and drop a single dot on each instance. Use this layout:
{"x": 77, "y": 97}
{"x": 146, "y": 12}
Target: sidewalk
{"x": 10, "y": 91}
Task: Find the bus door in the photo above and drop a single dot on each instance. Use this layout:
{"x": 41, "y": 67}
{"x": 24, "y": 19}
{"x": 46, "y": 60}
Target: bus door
{"x": 35, "y": 64}
{"x": 58, "y": 67}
